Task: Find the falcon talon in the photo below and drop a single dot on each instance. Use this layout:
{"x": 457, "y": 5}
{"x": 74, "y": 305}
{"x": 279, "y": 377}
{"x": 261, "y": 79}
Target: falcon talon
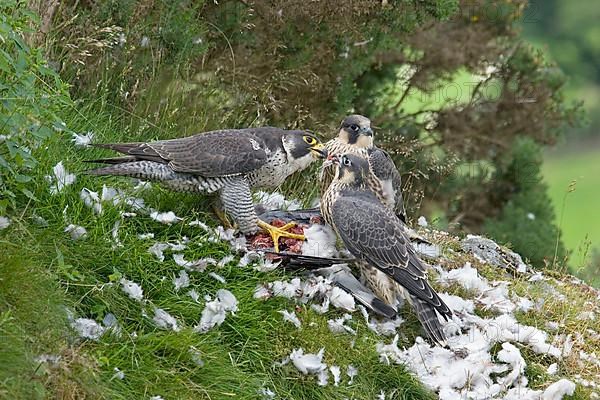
{"x": 276, "y": 232}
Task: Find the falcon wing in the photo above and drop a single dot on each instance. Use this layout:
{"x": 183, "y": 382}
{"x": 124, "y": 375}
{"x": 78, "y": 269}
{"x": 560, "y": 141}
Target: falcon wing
{"x": 373, "y": 233}
{"x": 212, "y": 154}
{"x": 384, "y": 168}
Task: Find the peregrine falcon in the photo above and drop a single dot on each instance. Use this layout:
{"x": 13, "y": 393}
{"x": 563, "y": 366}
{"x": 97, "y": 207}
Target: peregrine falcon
{"x": 356, "y": 137}
{"x": 230, "y": 162}
{"x": 376, "y": 237}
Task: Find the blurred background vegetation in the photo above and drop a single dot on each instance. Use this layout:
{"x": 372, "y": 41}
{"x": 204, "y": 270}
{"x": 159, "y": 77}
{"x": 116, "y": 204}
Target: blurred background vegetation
{"x": 569, "y": 33}
{"x": 464, "y": 103}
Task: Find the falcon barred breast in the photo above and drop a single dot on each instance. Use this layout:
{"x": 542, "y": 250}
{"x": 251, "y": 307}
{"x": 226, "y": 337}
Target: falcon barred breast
{"x": 230, "y": 162}
{"x": 356, "y": 137}
{"x": 376, "y": 237}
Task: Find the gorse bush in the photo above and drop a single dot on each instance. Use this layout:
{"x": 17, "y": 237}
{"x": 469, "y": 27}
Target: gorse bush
{"x": 31, "y": 95}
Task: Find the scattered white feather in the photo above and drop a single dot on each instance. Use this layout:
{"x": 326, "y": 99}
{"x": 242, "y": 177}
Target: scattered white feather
{"x": 586, "y": 315}
{"x": 164, "y": 320}
{"x": 60, "y": 178}
{"x": 266, "y": 393}
{"x": 201, "y": 224}
{"x": 524, "y": 304}
{"x": 308, "y": 363}
{"x": 276, "y": 201}
{"x": 168, "y": 217}
{"x": 145, "y": 236}
{"x": 77, "y": 232}
{"x": 249, "y": 258}
{"x": 156, "y": 398}
{"x": 108, "y": 193}
{"x": 265, "y": 264}
{"x": 291, "y": 317}
{"x": 351, "y": 371}
{"x": 217, "y": 277}
{"x": 323, "y": 377}
{"x": 181, "y": 281}
{"x": 381, "y": 395}
{"x": 157, "y": 250}
{"x": 118, "y": 374}
{"x": 115, "y": 234}
{"x": 337, "y": 374}
{"x": 262, "y": 292}
{"x": 558, "y": 389}
{"x": 4, "y": 222}
{"x": 196, "y": 265}
{"x": 422, "y": 221}
{"x": 428, "y": 250}
{"x": 320, "y": 241}
{"x": 538, "y": 276}
{"x": 225, "y": 260}
{"x": 82, "y": 140}
{"x": 512, "y": 356}
{"x": 552, "y": 369}
{"x": 215, "y": 310}
{"x": 467, "y": 277}
{"x": 196, "y": 356}
{"x": 342, "y": 299}
{"x": 132, "y": 289}
{"x": 88, "y": 328}
{"x": 194, "y": 295}
{"x": 339, "y": 325}
{"x": 91, "y": 199}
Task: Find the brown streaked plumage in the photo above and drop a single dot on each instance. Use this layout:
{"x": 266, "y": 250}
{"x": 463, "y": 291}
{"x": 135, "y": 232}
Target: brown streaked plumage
{"x": 356, "y": 137}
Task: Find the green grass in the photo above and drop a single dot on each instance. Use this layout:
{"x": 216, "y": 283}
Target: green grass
{"x": 576, "y": 211}
{"x": 44, "y": 271}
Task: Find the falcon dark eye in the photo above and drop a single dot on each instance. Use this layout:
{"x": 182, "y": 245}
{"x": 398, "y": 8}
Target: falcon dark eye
{"x": 346, "y": 161}
{"x": 354, "y": 127}
{"x": 310, "y": 140}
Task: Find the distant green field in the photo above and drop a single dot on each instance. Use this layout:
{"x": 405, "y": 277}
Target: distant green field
{"x": 581, "y": 214}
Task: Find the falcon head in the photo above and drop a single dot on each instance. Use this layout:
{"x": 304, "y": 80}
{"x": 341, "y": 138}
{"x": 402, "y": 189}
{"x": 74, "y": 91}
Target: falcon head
{"x": 350, "y": 169}
{"x": 356, "y": 130}
{"x": 302, "y": 148}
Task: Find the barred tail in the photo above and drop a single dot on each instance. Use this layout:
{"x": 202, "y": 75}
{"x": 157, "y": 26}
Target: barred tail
{"x": 137, "y": 169}
{"x": 429, "y": 319}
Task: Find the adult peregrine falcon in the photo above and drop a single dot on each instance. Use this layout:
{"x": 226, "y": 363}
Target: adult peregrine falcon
{"x": 376, "y": 237}
{"x": 356, "y": 137}
{"x": 230, "y": 162}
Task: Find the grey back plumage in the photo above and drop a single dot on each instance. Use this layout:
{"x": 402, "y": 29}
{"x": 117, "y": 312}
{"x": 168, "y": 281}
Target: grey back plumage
{"x": 384, "y": 168}
{"x": 211, "y": 154}
{"x": 373, "y": 233}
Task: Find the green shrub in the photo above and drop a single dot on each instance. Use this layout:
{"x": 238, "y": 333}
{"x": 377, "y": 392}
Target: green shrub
{"x": 31, "y": 95}
{"x": 527, "y": 219}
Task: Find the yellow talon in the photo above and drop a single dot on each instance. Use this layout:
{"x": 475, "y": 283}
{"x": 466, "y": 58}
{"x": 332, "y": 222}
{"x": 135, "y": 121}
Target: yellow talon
{"x": 222, "y": 217}
{"x": 276, "y": 232}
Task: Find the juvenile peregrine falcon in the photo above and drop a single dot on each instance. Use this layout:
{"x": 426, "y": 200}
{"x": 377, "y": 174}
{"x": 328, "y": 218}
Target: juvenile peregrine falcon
{"x": 375, "y": 236}
{"x": 356, "y": 137}
{"x": 230, "y": 162}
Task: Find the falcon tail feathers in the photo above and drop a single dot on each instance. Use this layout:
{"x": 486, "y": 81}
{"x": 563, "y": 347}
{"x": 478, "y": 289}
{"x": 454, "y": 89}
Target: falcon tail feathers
{"x": 293, "y": 260}
{"x": 136, "y": 169}
{"x": 114, "y": 160}
{"x": 429, "y": 319}
{"x": 120, "y": 147}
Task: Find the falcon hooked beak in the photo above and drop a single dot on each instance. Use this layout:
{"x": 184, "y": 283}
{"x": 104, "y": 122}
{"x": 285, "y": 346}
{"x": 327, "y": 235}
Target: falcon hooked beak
{"x": 319, "y": 151}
